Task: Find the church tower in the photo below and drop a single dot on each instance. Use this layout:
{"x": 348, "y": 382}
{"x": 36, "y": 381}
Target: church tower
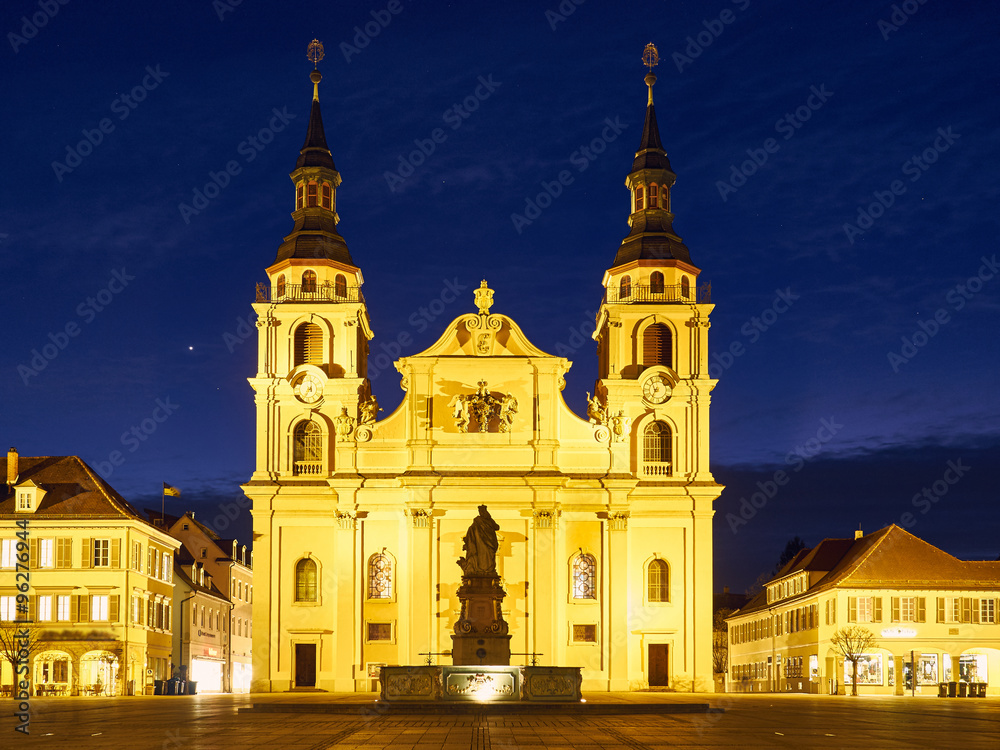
{"x": 313, "y": 326}
{"x": 652, "y": 327}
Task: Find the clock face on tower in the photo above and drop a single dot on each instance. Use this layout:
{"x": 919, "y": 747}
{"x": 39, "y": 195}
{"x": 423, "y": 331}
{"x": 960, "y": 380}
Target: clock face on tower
{"x": 656, "y": 389}
{"x": 308, "y": 388}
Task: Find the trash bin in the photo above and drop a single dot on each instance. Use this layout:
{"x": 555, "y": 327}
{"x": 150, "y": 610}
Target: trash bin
{"x": 158, "y": 687}
{"x": 980, "y": 689}
{"x": 192, "y": 687}
{"x": 942, "y": 690}
{"x": 952, "y": 689}
{"x": 963, "y": 690}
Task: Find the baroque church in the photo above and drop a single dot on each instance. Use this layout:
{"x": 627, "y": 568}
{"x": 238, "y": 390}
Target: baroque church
{"x": 605, "y": 520}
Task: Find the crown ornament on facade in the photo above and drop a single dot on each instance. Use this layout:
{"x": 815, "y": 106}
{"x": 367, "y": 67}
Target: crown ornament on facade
{"x": 484, "y": 298}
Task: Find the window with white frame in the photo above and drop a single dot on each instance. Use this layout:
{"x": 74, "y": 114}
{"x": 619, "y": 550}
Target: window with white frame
{"x": 987, "y": 611}
{"x": 45, "y": 608}
{"x": 864, "y": 609}
{"x": 8, "y": 608}
{"x": 24, "y": 500}
{"x": 99, "y": 608}
{"x": 102, "y": 553}
{"x": 166, "y": 567}
{"x": 8, "y": 553}
{"x": 62, "y": 608}
{"x": 907, "y": 609}
{"x": 46, "y": 558}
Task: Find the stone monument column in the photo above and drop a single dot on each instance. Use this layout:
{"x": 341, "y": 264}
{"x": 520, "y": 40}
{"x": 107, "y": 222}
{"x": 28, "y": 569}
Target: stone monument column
{"x": 481, "y": 634}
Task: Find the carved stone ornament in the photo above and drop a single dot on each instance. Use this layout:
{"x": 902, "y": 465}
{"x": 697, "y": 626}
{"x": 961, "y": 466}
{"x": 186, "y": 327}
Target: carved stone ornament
{"x": 620, "y": 426}
{"x": 596, "y": 411}
{"x": 484, "y": 298}
{"x": 368, "y": 410}
{"x": 482, "y": 407}
{"x": 344, "y": 424}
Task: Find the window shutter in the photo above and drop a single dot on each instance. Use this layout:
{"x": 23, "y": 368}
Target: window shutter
{"x": 966, "y": 609}
{"x": 877, "y": 609}
{"x": 852, "y": 609}
{"x": 975, "y": 611}
{"x": 113, "y": 604}
{"x": 88, "y": 557}
{"x": 33, "y": 553}
{"x": 940, "y": 609}
{"x": 116, "y": 552}
{"x": 895, "y": 609}
{"x": 32, "y": 607}
{"x": 921, "y": 609}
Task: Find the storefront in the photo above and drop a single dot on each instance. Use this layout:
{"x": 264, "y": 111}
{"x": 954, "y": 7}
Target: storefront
{"x": 207, "y": 672}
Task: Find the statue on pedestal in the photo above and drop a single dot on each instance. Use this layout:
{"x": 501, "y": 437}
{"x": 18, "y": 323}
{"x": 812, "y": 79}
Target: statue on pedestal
{"x": 481, "y": 633}
{"x": 481, "y": 546}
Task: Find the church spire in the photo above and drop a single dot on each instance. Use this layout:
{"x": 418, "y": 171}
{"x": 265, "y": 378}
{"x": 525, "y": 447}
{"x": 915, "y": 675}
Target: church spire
{"x": 652, "y": 236}
{"x": 316, "y": 180}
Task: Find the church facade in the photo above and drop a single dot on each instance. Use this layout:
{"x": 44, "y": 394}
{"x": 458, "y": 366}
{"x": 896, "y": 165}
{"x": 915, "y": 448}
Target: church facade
{"x": 605, "y": 520}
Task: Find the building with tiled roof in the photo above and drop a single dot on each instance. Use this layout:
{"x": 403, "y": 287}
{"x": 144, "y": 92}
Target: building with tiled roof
{"x": 100, "y": 579}
{"x": 202, "y": 617}
{"x": 923, "y": 605}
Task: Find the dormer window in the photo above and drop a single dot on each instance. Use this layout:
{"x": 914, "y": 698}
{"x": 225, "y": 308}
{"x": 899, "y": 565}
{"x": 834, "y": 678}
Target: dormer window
{"x": 639, "y": 199}
{"x": 25, "y": 500}
{"x": 27, "y": 497}
{"x": 654, "y": 196}
{"x": 327, "y": 196}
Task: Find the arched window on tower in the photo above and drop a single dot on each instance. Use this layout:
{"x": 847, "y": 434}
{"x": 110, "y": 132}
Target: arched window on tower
{"x": 639, "y": 204}
{"x": 584, "y": 576}
{"x": 308, "y": 345}
{"x": 307, "y": 449}
{"x": 309, "y": 282}
{"x": 340, "y": 285}
{"x": 279, "y": 291}
{"x": 380, "y": 576}
{"x": 625, "y": 287}
{"x": 299, "y": 196}
{"x": 305, "y": 580}
{"x": 657, "y": 346}
{"x": 658, "y": 581}
{"x": 685, "y": 287}
{"x": 311, "y": 199}
{"x": 327, "y": 196}
{"x": 654, "y": 196}
{"x": 656, "y": 450}
{"x": 656, "y": 283}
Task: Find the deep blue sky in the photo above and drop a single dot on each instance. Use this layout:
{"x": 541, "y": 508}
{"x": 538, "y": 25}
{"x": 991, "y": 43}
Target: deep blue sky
{"x": 887, "y": 95}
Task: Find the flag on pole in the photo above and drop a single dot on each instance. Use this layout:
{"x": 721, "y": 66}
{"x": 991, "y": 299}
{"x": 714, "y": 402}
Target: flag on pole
{"x": 172, "y": 491}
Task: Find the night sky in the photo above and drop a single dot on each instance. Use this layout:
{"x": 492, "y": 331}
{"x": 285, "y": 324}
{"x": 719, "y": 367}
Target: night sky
{"x": 836, "y": 182}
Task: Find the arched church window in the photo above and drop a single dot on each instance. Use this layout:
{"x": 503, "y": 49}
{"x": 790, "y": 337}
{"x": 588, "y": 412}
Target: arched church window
{"x": 658, "y": 581}
{"x": 657, "y": 346}
{"x": 327, "y": 196}
{"x": 380, "y": 576}
{"x": 654, "y": 196}
{"x": 309, "y": 282}
{"x": 280, "y": 287}
{"x": 305, "y": 580}
{"x": 656, "y": 447}
{"x": 656, "y": 282}
{"x": 299, "y": 193}
{"x": 685, "y": 287}
{"x": 584, "y": 576}
{"x": 625, "y": 287}
{"x": 311, "y": 199}
{"x": 307, "y": 449}
{"x": 308, "y": 345}
{"x": 340, "y": 285}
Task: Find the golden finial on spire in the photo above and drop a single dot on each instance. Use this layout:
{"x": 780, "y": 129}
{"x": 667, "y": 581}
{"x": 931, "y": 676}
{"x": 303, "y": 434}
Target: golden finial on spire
{"x": 315, "y": 53}
{"x": 650, "y": 58}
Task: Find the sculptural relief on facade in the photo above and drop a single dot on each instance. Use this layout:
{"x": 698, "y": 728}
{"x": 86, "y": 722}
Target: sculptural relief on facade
{"x": 484, "y": 407}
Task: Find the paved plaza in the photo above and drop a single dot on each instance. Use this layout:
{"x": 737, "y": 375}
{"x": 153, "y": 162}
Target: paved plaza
{"x": 323, "y": 721}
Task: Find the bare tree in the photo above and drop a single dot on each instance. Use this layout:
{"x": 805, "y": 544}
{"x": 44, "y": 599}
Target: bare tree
{"x": 18, "y": 641}
{"x": 720, "y": 641}
{"x": 853, "y": 641}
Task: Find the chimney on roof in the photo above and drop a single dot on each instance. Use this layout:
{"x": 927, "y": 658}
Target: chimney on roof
{"x": 725, "y": 589}
{"x": 858, "y": 533}
{"x": 12, "y": 467}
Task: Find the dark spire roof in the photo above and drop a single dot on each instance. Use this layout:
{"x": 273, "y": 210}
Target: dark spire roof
{"x": 315, "y": 152}
{"x": 650, "y": 154}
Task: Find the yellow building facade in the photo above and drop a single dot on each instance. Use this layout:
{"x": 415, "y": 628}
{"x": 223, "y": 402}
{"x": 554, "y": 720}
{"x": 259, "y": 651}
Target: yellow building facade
{"x": 934, "y": 618}
{"x": 605, "y": 519}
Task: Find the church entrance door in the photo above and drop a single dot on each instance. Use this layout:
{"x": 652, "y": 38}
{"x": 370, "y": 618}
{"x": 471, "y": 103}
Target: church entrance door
{"x": 658, "y": 674}
{"x": 305, "y": 665}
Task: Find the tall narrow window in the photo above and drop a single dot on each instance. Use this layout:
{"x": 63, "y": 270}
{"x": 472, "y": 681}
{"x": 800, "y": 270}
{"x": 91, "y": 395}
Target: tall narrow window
{"x": 658, "y": 581}
{"x": 639, "y": 205}
{"x": 340, "y": 285}
{"x": 311, "y": 200}
{"x": 327, "y": 196}
{"x": 625, "y": 287}
{"x": 656, "y": 449}
{"x": 380, "y": 576}
{"x": 685, "y": 287}
{"x": 654, "y": 196}
{"x": 305, "y": 581}
{"x": 657, "y": 346}
{"x": 584, "y": 577}
{"x": 299, "y": 196}
{"x": 280, "y": 291}
{"x": 308, "y": 344}
{"x": 656, "y": 282}
{"x": 309, "y": 282}
{"x": 307, "y": 449}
